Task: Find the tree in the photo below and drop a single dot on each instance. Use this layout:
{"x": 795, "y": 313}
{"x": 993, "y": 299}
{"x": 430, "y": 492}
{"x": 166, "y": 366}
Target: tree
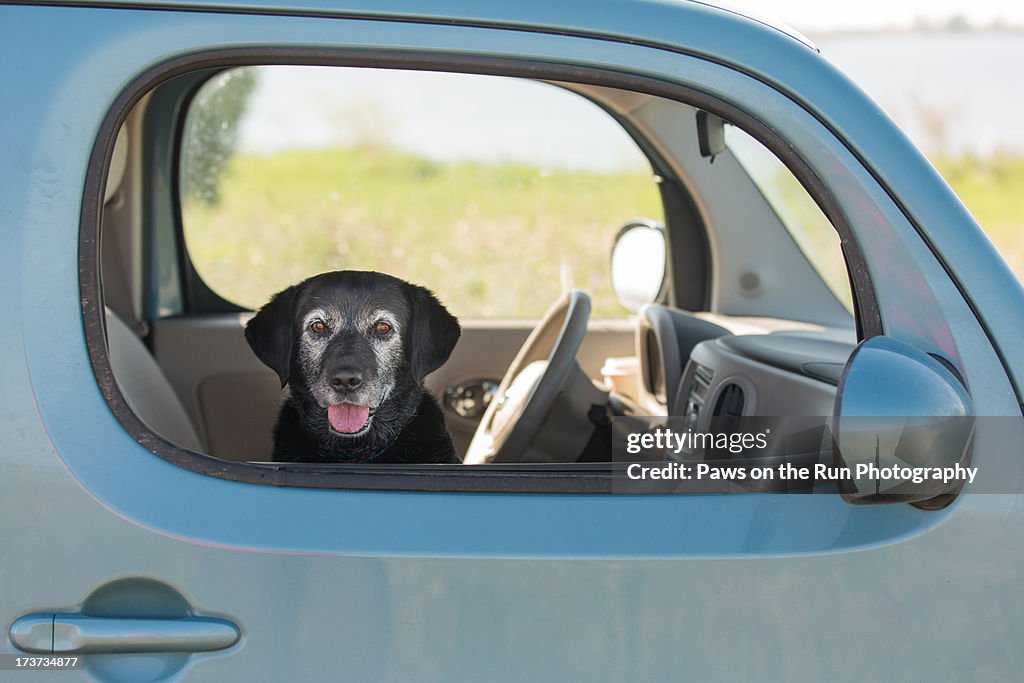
{"x": 211, "y": 132}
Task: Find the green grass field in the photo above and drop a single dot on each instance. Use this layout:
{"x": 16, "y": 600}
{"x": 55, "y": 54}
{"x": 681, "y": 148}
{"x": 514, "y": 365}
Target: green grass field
{"x": 491, "y": 239}
{"x": 993, "y": 190}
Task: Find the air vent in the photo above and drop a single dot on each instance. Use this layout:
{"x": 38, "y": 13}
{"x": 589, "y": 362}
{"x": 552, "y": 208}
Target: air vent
{"x": 730, "y": 402}
{"x": 703, "y": 373}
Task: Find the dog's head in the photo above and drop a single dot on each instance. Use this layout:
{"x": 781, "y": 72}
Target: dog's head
{"x": 353, "y": 345}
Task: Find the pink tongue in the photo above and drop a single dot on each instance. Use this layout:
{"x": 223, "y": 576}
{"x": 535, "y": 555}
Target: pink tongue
{"x": 348, "y": 418}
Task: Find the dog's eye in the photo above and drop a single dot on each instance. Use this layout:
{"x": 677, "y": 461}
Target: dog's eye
{"x": 381, "y": 327}
{"x": 318, "y": 327}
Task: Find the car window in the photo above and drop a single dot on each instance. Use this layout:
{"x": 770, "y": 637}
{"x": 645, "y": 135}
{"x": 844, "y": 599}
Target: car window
{"x": 497, "y": 193}
{"x": 475, "y": 199}
{"x": 799, "y": 214}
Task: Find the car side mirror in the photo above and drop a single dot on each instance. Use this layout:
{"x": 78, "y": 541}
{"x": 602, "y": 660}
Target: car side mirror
{"x": 638, "y": 263}
{"x": 900, "y": 407}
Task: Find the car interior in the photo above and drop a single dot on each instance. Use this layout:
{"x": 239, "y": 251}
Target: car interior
{"x": 733, "y": 301}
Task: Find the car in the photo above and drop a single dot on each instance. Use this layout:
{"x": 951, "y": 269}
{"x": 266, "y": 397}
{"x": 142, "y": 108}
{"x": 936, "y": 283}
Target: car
{"x": 780, "y": 258}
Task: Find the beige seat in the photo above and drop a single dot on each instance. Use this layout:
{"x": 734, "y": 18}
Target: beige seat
{"x": 145, "y": 387}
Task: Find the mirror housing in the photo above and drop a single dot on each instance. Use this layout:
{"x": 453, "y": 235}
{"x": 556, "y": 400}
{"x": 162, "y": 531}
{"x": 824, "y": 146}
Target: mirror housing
{"x": 638, "y": 263}
{"x": 897, "y": 405}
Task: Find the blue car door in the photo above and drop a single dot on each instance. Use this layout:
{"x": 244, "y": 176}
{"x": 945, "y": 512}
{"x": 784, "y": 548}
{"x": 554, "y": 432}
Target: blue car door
{"x": 110, "y": 538}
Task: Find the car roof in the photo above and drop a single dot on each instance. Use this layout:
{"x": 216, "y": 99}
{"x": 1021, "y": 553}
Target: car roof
{"x": 564, "y": 14}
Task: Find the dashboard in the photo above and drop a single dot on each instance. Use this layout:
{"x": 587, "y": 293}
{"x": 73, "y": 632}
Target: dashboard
{"x": 700, "y": 366}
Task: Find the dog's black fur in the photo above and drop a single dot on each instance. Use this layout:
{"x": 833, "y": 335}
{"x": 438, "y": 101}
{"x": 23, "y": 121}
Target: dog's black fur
{"x": 353, "y": 362}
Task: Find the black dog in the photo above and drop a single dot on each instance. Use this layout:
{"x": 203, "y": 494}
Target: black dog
{"x": 353, "y": 348}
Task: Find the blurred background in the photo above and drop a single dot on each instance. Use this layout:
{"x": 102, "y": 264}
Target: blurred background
{"x": 291, "y": 171}
{"x": 951, "y": 74}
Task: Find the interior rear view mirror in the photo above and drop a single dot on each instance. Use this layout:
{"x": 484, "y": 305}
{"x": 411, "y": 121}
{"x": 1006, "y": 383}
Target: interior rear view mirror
{"x": 710, "y": 135}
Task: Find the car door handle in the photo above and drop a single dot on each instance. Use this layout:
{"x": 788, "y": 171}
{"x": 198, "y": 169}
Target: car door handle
{"x": 80, "y": 634}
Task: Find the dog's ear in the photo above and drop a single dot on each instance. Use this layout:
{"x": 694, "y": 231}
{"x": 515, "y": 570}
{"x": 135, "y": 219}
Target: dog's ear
{"x": 434, "y": 332}
{"x": 269, "y": 332}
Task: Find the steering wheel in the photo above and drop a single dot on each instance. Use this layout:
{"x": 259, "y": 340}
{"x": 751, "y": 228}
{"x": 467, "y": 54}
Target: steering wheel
{"x": 540, "y": 371}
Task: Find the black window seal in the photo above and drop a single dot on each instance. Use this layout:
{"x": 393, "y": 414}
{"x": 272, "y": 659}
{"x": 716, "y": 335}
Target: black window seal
{"x": 485, "y": 478}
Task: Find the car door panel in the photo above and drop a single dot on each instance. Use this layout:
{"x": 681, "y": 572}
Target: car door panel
{"x": 382, "y": 617}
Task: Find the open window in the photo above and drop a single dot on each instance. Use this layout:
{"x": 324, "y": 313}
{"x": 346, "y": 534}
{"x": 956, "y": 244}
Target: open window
{"x": 713, "y": 281}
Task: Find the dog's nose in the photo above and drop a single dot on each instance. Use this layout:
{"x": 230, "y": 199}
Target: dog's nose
{"x": 346, "y": 379}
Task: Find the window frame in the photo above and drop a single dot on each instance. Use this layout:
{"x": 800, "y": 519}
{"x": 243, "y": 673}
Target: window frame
{"x": 568, "y": 478}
